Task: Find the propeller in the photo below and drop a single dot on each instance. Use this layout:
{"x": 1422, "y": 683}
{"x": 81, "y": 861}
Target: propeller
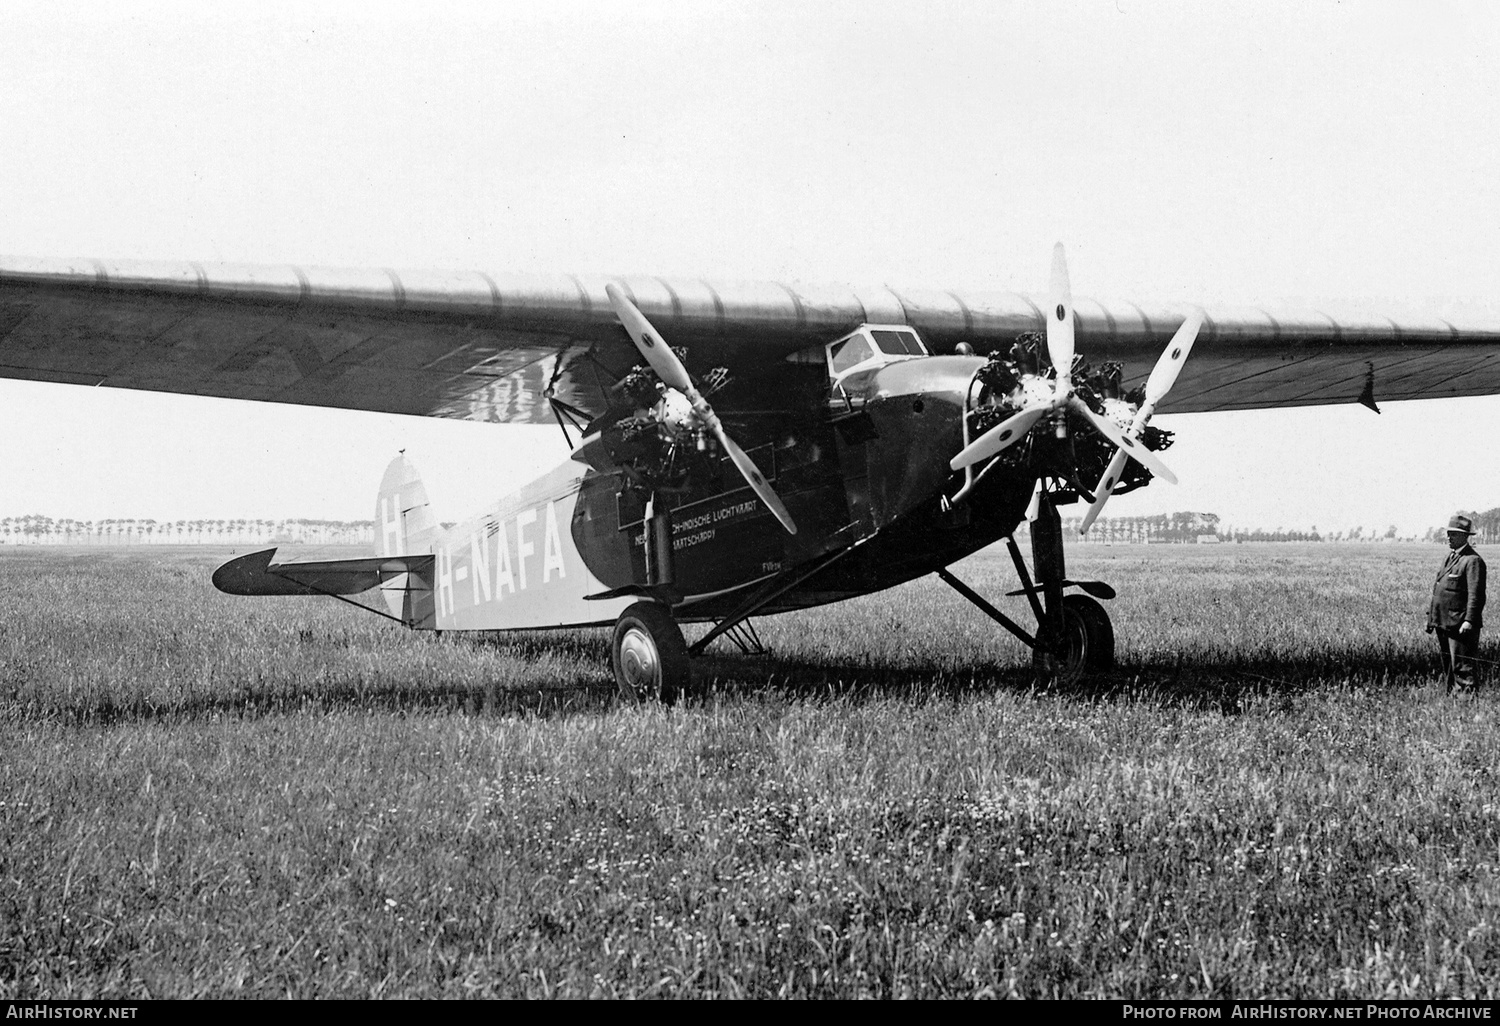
{"x": 1060, "y": 322}
{"x": 1059, "y": 350}
{"x": 1163, "y": 377}
{"x": 999, "y": 437}
{"x": 671, "y": 371}
{"x": 1128, "y": 445}
{"x": 1060, "y": 325}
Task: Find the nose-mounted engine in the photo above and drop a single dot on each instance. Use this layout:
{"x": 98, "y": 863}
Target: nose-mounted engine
{"x": 1033, "y": 410}
{"x": 1061, "y": 445}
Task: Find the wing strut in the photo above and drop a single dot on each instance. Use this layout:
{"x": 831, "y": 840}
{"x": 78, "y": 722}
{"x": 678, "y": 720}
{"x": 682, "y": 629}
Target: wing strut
{"x": 574, "y": 416}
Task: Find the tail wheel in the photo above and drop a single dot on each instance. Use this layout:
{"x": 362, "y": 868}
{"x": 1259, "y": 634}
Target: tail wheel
{"x": 1089, "y": 643}
{"x": 649, "y": 656}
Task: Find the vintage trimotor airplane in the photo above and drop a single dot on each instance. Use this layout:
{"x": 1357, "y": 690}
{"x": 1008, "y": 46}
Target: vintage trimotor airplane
{"x": 801, "y": 447}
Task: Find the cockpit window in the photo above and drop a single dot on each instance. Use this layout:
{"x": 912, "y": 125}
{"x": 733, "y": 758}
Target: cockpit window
{"x": 850, "y": 353}
{"x": 898, "y": 343}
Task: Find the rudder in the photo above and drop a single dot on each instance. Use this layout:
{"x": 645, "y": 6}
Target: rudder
{"x": 405, "y": 526}
{"x": 404, "y": 522}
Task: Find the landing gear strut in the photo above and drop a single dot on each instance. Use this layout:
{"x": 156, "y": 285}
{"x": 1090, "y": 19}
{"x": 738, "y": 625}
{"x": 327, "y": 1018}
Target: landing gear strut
{"x": 1074, "y": 635}
{"x": 648, "y": 653}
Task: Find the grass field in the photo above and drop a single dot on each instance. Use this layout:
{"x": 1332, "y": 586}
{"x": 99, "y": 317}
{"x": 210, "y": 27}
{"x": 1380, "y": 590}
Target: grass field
{"x": 212, "y": 796}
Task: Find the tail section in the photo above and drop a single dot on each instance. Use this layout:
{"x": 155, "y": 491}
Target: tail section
{"x": 404, "y": 524}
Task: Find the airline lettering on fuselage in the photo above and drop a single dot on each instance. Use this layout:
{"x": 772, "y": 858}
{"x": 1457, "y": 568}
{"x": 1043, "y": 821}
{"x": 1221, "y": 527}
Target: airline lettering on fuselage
{"x": 479, "y": 556}
{"x": 697, "y": 528}
{"x": 494, "y": 566}
{"x": 524, "y": 548}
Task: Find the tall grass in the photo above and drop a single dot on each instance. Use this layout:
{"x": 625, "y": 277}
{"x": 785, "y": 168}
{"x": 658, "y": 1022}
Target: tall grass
{"x": 202, "y": 795}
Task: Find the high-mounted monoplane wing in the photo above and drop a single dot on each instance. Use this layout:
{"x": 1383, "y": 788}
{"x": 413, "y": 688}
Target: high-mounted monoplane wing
{"x": 490, "y": 347}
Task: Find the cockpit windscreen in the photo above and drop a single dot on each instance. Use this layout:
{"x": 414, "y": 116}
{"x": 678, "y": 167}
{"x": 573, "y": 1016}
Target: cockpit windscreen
{"x": 898, "y": 343}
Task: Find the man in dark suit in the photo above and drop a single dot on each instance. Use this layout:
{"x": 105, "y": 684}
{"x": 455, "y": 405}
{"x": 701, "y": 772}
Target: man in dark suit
{"x": 1458, "y": 605}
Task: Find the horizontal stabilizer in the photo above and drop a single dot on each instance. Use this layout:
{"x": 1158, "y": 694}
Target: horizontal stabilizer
{"x": 255, "y": 574}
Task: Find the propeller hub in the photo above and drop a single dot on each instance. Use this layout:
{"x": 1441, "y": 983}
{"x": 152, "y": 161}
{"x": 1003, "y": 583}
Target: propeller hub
{"x": 1120, "y": 412}
{"x": 1036, "y": 391}
{"x": 674, "y": 412}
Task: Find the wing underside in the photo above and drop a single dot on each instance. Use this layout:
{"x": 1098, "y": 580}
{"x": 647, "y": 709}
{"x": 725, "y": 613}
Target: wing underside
{"x": 473, "y": 346}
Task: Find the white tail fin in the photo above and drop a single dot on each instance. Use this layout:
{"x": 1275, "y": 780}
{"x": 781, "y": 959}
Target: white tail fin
{"x": 404, "y": 524}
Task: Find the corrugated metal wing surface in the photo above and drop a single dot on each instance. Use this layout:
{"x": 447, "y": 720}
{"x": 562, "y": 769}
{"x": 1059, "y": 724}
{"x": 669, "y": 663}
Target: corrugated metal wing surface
{"x": 489, "y": 347}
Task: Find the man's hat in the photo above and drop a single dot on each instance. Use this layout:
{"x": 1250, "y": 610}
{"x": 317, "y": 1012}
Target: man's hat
{"x": 1459, "y": 522}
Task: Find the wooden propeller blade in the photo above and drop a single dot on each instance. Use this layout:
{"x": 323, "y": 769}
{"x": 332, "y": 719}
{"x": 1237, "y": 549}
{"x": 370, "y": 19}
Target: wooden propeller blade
{"x": 1107, "y": 484}
{"x": 1060, "y": 321}
{"x": 997, "y": 438}
{"x": 753, "y": 478}
{"x": 1132, "y": 448}
{"x": 649, "y": 341}
{"x": 1163, "y": 377}
{"x": 1169, "y": 364}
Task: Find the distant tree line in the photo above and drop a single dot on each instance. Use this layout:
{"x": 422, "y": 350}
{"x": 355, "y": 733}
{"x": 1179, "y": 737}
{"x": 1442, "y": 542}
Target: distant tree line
{"x": 1163, "y": 527}
{"x": 1486, "y": 524}
{"x": 40, "y": 530}
{"x": 1260, "y": 534}
{"x": 1182, "y": 527}
{"x": 1188, "y": 527}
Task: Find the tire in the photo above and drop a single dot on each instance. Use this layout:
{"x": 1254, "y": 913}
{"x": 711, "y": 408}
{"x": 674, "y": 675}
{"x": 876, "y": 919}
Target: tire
{"x": 1100, "y": 632}
{"x": 1090, "y": 642}
{"x": 649, "y": 656}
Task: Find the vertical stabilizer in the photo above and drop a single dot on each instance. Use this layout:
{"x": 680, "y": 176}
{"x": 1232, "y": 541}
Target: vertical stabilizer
{"x": 404, "y": 524}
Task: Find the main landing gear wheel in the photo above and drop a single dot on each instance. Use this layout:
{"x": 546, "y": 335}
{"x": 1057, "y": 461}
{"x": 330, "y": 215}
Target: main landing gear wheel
{"x": 1089, "y": 641}
{"x": 649, "y": 656}
{"x": 1099, "y": 633}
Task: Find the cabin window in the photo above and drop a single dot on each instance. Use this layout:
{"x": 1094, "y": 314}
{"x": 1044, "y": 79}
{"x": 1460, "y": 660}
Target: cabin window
{"x": 869, "y": 348}
{"x": 898, "y": 343}
{"x": 851, "y": 353}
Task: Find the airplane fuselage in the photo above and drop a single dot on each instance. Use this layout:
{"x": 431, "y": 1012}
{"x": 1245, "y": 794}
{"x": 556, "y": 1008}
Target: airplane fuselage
{"x": 865, "y": 483}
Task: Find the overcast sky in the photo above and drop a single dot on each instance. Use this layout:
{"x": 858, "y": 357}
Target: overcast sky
{"x": 1258, "y": 153}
